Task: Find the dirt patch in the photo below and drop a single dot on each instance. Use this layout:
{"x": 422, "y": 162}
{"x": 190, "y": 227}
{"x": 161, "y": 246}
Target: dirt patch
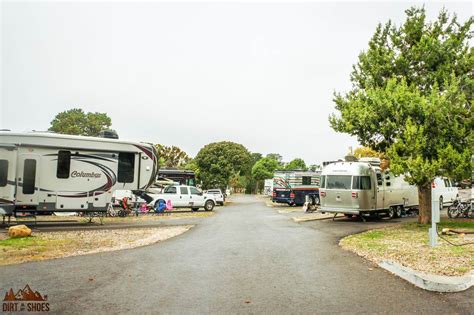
{"x": 50, "y": 245}
{"x": 408, "y": 245}
{"x": 130, "y": 218}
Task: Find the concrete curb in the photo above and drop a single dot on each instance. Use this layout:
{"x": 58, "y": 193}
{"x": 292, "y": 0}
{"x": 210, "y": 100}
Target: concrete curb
{"x": 428, "y": 281}
{"x": 303, "y": 219}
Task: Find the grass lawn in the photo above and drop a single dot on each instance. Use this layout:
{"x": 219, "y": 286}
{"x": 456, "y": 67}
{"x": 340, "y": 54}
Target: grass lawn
{"x": 49, "y": 245}
{"x": 407, "y": 244}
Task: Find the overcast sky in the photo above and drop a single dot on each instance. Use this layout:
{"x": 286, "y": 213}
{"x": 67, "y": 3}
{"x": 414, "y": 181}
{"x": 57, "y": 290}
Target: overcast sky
{"x": 189, "y": 74}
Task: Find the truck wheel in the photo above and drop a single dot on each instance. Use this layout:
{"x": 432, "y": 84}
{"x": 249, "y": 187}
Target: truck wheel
{"x": 391, "y": 212}
{"x": 209, "y": 205}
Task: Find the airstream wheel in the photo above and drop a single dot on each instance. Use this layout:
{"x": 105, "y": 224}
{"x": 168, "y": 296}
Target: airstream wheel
{"x": 391, "y": 212}
{"x": 398, "y": 211}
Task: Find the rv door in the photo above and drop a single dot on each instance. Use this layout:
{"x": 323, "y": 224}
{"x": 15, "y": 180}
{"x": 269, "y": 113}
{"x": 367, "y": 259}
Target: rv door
{"x": 28, "y": 182}
{"x": 380, "y": 198}
{"x": 7, "y": 177}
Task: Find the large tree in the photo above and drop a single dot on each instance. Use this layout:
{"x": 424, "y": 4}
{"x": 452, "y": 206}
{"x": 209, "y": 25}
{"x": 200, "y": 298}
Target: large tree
{"x": 296, "y": 164}
{"x": 411, "y": 99}
{"x": 264, "y": 168}
{"x": 361, "y": 152}
{"x": 172, "y": 156}
{"x": 220, "y": 161}
{"x": 76, "y": 122}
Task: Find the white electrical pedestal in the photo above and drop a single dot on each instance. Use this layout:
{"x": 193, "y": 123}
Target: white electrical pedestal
{"x": 433, "y": 235}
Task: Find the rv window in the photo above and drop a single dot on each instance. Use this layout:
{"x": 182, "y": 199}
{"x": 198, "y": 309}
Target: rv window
{"x": 190, "y": 182}
{"x": 170, "y": 190}
{"x": 183, "y": 190}
{"x": 64, "y": 164}
{"x": 339, "y": 182}
{"x": 126, "y": 167}
{"x": 379, "y": 179}
{"x": 306, "y": 180}
{"x": 361, "y": 182}
{"x": 3, "y": 173}
{"x": 323, "y": 181}
{"x": 29, "y": 177}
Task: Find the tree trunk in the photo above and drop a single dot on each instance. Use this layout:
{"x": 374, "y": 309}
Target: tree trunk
{"x": 424, "y": 198}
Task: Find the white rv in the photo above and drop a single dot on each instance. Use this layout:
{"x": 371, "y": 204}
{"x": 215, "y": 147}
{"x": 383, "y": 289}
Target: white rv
{"x": 361, "y": 188}
{"x": 54, "y": 172}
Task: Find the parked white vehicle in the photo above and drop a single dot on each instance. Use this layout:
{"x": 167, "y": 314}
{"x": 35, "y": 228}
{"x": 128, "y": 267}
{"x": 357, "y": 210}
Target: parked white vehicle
{"x": 361, "y": 188}
{"x": 218, "y": 195}
{"x": 443, "y": 190}
{"x": 182, "y": 196}
{"x": 54, "y": 172}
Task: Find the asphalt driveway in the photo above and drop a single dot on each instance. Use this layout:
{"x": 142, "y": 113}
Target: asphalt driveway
{"x": 246, "y": 259}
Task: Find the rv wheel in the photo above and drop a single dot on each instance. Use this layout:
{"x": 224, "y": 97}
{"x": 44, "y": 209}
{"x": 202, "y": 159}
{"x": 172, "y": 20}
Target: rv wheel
{"x": 391, "y": 212}
{"x": 398, "y": 211}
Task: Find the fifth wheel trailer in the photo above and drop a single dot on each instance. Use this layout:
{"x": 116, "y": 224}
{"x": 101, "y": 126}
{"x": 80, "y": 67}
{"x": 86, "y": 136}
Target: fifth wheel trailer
{"x": 45, "y": 172}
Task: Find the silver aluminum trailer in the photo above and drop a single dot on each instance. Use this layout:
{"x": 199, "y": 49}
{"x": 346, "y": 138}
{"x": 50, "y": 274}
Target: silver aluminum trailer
{"x": 361, "y": 188}
{"x": 45, "y": 172}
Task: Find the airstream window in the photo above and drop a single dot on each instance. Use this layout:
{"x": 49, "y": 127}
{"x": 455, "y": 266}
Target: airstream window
{"x": 339, "y": 181}
{"x": 379, "y": 179}
{"x": 3, "y": 172}
{"x": 306, "y": 180}
{"x": 323, "y": 181}
{"x": 29, "y": 177}
{"x": 361, "y": 182}
{"x": 126, "y": 167}
{"x": 64, "y": 164}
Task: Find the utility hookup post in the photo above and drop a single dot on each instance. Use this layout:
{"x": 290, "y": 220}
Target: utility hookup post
{"x": 433, "y": 235}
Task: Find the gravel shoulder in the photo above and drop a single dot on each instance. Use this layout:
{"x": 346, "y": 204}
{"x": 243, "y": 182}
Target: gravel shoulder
{"x": 51, "y": 245}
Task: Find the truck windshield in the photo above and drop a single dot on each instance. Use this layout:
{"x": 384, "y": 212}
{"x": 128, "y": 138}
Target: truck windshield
{"x": 338, "y": 181}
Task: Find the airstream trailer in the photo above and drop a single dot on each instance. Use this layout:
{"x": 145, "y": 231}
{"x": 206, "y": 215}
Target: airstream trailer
{"x": 361, "y": 188}
{"x": 43, "y": 172}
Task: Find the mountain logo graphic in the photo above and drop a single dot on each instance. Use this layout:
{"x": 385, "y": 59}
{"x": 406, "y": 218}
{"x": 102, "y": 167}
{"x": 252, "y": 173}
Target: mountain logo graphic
{"x": 24, "y": 295}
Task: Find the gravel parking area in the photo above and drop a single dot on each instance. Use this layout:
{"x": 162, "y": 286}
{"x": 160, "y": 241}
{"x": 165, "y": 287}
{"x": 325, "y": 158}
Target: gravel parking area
{"x": 50, "y": 245}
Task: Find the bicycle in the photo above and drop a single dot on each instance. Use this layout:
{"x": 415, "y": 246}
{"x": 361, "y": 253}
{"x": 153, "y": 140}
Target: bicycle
{"x": 460, "y": 208}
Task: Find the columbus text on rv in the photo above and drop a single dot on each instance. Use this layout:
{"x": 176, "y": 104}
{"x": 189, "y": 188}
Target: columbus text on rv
{"x": 45, "y": 172}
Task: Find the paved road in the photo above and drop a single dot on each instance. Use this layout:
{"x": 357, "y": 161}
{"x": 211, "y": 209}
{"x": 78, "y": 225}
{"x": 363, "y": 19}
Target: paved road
{"x": 245, "y": 259}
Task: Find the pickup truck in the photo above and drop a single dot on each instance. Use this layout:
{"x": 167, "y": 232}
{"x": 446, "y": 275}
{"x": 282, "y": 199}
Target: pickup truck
{"x": 182, "y": 196}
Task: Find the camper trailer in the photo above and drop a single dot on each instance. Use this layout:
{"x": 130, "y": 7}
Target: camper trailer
{"x": 292, "y": 187}
{"x": 362, "y": 188}
{"x": 42, "y": 172}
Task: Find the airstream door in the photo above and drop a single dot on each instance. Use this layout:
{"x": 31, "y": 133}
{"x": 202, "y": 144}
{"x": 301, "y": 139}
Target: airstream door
{"x": 380, "y": 191}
